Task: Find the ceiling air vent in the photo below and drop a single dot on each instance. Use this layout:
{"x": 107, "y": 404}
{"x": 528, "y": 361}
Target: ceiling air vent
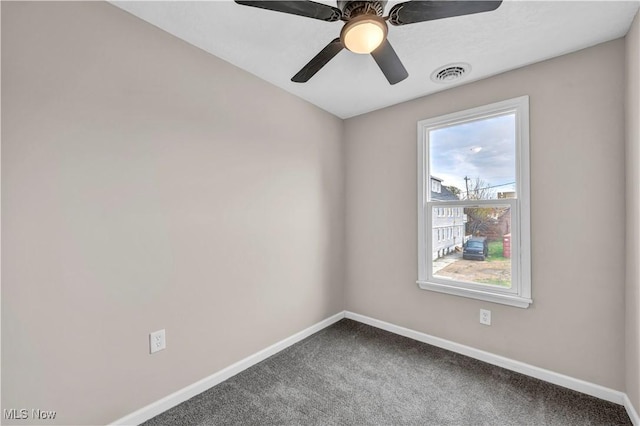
{"x": 450, "y": 73}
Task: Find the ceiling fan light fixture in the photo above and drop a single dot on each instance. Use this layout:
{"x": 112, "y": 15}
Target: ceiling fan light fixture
{"x": 364, "y": 33}
{"x": 365, "y": 28}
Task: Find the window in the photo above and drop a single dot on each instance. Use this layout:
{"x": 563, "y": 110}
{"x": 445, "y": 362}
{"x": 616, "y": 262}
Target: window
{"x": 481, "y": 159}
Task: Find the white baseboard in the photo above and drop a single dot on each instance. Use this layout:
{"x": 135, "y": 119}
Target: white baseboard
{"x": 510, "y": 364}
{"x": 633, "y": 414}
{"x": 190, "y": 391}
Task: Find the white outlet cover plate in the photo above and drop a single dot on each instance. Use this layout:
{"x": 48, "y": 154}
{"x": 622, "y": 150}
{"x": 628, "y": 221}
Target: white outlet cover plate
{"x": 485, "y": 317}
{"x": 157, "y": 341}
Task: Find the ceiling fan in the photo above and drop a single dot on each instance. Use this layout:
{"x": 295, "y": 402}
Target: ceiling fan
{"x": 365, "y": 29}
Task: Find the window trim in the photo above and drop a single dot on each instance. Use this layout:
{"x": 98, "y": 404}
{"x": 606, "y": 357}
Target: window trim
{"x": 520, "y": 296}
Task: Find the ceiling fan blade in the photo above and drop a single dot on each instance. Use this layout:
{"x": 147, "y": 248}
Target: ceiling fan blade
{"x": 411, "y": 12}
{"x": 308, "y": 9}
{"x": 389, "y": 63}
{"x": 319, "y": 61}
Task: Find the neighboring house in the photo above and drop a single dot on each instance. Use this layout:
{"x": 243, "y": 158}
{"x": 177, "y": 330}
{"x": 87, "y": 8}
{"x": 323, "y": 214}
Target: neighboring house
{"x": 448, "y": 223}
{"x": 504, "y": 222}
{"x": 504, "y": 219}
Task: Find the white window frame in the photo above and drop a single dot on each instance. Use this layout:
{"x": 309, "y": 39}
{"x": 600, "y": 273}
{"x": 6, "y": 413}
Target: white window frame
{"x": 519, "y": 294}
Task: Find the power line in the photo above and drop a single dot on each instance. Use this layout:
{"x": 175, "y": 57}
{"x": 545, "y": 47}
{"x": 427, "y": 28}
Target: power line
{"x": 467, "y": 179}
{"x": 493, "y": 186}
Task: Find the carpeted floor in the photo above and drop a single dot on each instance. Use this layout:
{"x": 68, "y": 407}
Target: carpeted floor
{"x": 354, "y": 374}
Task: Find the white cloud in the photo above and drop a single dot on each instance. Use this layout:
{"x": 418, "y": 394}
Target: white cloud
{"x": 482, "y": 149}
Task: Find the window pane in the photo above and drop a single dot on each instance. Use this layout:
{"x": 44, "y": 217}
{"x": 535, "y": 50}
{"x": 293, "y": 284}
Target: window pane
{"x": 477, "y": 159}
{"x": 479, "y": 248}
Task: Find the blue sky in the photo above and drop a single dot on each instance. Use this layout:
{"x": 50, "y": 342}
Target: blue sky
{"x": 482, "y": 149}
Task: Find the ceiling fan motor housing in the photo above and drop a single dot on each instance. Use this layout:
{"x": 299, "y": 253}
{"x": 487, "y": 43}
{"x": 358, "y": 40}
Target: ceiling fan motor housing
{"x": 365, "y": 28}
{"x": 351, "y": 9}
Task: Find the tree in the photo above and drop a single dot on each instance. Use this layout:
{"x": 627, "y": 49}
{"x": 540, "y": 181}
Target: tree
{"x": 480, "y": 190}
{"x": 455, "y": 191}
{"x": 480, "y": 220}
{"x": 483, "y": 221}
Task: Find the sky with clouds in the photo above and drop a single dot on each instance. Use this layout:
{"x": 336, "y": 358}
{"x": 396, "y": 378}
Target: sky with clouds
{"x": 482, "y": 149}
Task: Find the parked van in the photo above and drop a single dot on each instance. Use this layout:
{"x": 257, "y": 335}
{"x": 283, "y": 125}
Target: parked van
{"x": 476, "y": 248}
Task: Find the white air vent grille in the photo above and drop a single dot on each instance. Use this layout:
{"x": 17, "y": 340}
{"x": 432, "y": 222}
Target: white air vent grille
{"x": 450, "y": 73}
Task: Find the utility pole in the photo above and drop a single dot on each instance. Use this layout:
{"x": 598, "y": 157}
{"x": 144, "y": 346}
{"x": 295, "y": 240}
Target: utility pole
{"x": 466, "y": 182}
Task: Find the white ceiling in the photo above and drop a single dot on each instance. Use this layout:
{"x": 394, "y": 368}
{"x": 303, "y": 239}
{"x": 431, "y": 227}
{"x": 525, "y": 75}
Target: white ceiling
{"x": 274, "y": 46}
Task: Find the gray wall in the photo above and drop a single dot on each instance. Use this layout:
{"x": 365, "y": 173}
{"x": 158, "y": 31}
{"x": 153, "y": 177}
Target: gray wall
{"x": 633, "y": 213}
{"x": 576, "y": 323}
{"x": 148, "y": 185}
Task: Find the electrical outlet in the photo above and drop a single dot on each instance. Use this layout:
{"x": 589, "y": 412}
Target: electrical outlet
{"x": 485, "y": 317}
{"x": 157, "y": 341}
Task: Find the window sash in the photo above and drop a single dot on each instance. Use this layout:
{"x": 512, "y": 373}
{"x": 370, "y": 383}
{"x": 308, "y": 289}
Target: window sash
{"x": 515, "y": 288}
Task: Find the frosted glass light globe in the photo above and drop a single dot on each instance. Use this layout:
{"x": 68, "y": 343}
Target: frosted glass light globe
{"x": 364, "y": 33}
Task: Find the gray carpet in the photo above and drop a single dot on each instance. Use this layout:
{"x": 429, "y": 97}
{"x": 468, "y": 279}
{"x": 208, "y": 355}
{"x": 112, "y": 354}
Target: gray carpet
{"x": 354, "y": 374}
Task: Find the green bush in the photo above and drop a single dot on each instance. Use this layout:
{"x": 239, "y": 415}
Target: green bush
{"x": 495, "y": 251}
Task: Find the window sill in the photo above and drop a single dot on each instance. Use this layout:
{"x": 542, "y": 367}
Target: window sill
{"x": 511, "y": 300}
